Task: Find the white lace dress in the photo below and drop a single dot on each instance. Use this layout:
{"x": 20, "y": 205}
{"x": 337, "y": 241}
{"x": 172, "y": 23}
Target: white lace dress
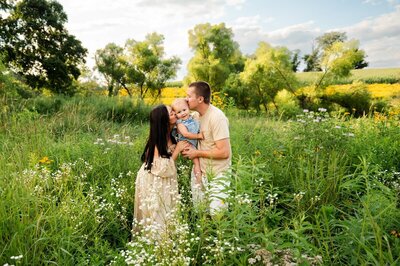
{"x": 156, "y": 194}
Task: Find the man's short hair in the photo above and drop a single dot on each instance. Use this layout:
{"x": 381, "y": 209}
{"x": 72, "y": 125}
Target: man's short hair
{"x": 202, "y": 88}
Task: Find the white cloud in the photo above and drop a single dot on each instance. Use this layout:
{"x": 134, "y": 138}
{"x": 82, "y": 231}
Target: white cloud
{"x": 249, "y": 32}
{"x": 380, "y": 38}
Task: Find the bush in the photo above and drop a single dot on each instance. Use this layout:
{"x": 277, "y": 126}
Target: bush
{"x": 287, "y": 103}
{"x": 357, "y": 101}
{"x": 380, "y": 106}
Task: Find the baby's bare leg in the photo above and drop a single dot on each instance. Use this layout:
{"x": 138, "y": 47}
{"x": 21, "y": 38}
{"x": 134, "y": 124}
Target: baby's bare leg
{"x": 197, "y": 170}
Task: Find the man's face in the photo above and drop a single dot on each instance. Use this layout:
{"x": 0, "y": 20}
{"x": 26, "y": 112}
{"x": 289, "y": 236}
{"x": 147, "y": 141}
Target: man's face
{"x": 192, "y": 98}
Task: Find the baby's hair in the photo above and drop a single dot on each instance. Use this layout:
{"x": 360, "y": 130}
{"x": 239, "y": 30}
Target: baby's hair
{"x": 178, "y": 101}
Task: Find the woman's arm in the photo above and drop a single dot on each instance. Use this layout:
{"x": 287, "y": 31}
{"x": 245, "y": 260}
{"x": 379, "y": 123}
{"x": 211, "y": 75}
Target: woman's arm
{"x": 180, "y": 146}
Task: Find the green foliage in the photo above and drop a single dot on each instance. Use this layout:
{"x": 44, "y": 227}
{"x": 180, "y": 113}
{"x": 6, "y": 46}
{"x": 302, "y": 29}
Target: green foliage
{"x": 357, "y": 101}
{"x": 46, "y": 105}
{"x": 235, "y": 88}
{"x": 174, "y": 84}
{"x": 316, "y": 60}
{"x": 312, "y": 61}
{"x": 39, "y": 48}
{"x": 328, "y": 39}
{"x": 336, "y": 62}
{"x": 287, "y": 103}
{"x": 295, "y": 60}
{"x": 109, "y": 63}
{"x": 266, "y": 73}
{"x": 216, "y": 55}
{"x": 140, "y": 66}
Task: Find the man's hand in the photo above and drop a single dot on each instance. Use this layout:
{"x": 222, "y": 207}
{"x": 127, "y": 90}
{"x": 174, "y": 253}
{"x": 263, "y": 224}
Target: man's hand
{"x": 190, "y": 152}
{"x": 182, "y": 145}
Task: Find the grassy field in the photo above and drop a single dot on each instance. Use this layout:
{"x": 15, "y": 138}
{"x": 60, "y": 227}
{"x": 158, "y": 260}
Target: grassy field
{"x": 317, "y": 190}
{"x": 375, "y": 75}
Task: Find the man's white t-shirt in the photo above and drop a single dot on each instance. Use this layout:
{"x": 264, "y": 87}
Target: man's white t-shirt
{"x": 215, "y": 126}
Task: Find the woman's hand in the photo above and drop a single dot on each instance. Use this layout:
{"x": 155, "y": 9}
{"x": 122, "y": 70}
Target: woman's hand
{"x": 172, "y": 148}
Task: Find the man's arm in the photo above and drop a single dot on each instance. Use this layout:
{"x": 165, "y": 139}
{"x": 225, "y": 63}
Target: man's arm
{"x": 222, "y": 150}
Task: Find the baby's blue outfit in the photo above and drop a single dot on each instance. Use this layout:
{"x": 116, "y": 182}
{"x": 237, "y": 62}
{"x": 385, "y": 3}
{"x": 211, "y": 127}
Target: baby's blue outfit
{"x": 192, "y": 125}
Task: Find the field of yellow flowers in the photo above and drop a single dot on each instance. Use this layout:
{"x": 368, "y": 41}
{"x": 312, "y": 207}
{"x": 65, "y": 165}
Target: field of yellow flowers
{"x": 378, "y": 91}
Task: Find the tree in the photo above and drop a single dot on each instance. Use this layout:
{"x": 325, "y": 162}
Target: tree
{"x": 38, "y": 47}
{"x": 324, "y": 43}
{"x": 337, "y": 61}
{"x": 328, "y": 39}
{"x": 268, "y": 72}
{"x": 140, "y": 65}
{"x": 295, "y": 59}
{"x": 361, "y": 63}
{"x": 146, "y": 66}
{"x": 312, "y": 61}
{"x": 88, "y": 83}
{"x": 109, "y": 63}
{"x": 216, "y": 55}
{"x": 237, "y": 90}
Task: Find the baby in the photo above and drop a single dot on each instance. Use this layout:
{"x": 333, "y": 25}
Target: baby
{"x": 188, "y": 129}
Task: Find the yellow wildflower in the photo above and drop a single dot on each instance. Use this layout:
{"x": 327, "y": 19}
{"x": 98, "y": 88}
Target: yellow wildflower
{"x": 45, "y": 160}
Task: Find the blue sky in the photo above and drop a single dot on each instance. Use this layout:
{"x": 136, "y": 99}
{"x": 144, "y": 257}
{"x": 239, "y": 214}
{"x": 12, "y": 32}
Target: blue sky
{"x": 291, "y": 23}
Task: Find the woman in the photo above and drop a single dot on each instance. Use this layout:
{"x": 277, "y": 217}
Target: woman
{"x": 156, "y": 192}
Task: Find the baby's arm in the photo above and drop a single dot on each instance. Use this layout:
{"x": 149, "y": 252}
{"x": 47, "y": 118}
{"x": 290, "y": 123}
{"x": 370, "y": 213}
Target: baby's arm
{"x": 183, "y": 130}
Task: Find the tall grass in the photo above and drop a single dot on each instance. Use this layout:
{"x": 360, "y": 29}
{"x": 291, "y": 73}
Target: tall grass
{"x": 318, "y": 189}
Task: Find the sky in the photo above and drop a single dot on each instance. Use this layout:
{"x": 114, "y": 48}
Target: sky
{"x": 291, "y": 23}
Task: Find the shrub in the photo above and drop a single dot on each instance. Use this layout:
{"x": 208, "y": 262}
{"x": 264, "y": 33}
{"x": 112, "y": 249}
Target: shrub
{"x": 357, "y": 101}
{"x": 287, "y": 103}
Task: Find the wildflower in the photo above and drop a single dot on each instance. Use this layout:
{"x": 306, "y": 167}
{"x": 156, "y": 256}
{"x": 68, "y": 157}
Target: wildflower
{"x": 322, "y": 110}
{"x": 252, "y": 261}
{"x": 45, "y": 160}
{"x": 298, "y": 196}
{"x": 16, "y": 257}
{"x": 272, "y": 199}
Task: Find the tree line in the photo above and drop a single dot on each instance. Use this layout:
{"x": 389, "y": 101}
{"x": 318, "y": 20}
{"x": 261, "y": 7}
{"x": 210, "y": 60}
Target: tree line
{"x": 37, "y": 49}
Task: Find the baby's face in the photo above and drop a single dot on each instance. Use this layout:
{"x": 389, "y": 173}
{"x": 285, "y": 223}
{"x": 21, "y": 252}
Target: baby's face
{"x": 182, "y": 110}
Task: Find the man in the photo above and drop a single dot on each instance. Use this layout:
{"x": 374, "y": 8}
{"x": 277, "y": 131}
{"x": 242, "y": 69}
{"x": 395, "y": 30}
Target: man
{"x": 214, "y": 150}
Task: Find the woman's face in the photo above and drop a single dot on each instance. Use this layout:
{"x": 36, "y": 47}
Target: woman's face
{"x": 172, "y": 116}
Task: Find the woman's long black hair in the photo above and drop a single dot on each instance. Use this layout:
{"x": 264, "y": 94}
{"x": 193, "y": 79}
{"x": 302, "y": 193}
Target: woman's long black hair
{"x": 158, "y": 137}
